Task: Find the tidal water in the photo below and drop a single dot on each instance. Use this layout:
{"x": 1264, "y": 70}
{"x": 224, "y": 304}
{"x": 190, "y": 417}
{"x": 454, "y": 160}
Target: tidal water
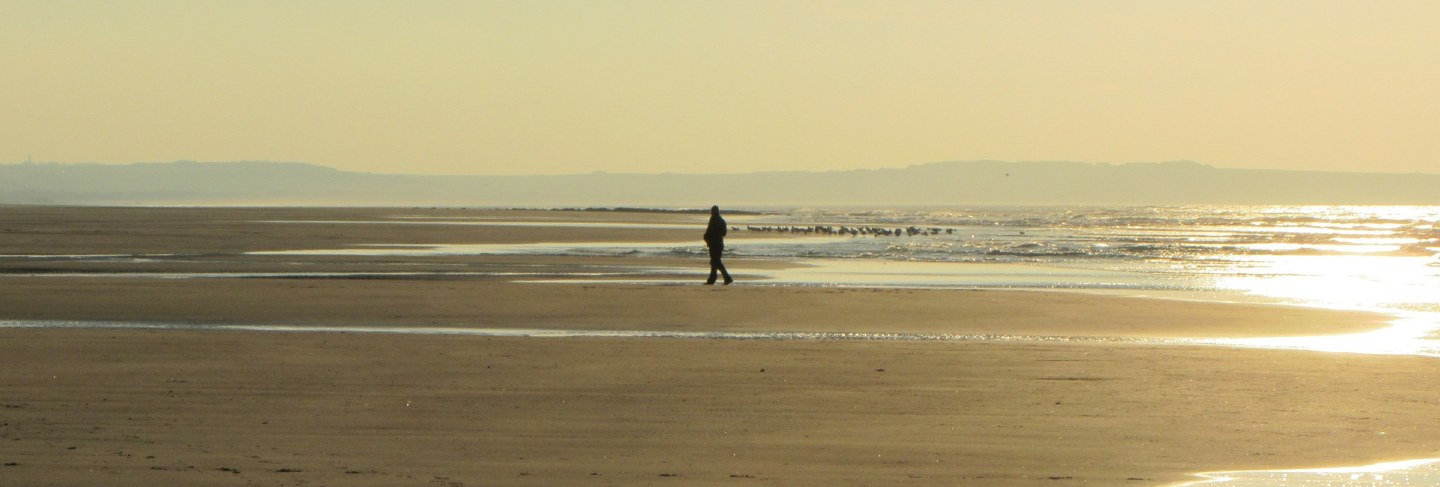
{"x": 1384, "y": 259}
{"x": 1371, "y": 258}
{"x": 1351, "y": 257}
{"x": 1337, "y": 257}
{"x": 1334, "y": 256}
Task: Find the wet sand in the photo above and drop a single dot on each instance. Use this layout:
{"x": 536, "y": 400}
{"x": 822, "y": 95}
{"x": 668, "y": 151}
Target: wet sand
{"x": 145, "y": 407}
{"x": 741, "y": 308}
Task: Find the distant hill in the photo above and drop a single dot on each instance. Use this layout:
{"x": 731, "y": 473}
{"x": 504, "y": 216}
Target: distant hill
{"x": 941, "y": 183}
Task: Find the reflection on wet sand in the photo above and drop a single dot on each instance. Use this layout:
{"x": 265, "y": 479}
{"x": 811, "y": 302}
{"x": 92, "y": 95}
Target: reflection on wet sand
{"x": 576, "y": 333}
{"x": 1393, "y": 474}
{"x": 636, "y": 274}
{"x": 1408, "y": 334}
{"x": 494, "y": 223}
{"x": 546, "y": 248}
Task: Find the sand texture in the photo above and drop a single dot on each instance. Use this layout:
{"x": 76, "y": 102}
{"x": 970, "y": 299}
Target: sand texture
{"x": 212, "y": 407}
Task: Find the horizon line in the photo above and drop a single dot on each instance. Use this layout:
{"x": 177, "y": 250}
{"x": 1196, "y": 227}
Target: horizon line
{"x": 606, "y": 172}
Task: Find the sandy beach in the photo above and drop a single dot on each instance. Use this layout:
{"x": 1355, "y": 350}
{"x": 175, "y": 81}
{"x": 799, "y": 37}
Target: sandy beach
{"x": 216, "y": 407}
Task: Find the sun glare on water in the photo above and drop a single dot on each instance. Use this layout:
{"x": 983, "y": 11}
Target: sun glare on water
{"x": 1391, "y": 268}
{"x": 1364, "y": 282}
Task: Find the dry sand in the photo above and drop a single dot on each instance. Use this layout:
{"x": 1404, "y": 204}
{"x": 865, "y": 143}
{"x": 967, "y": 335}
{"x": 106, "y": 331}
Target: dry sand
{"x": 230, "y": 408}
{"x": 134, "y": 407}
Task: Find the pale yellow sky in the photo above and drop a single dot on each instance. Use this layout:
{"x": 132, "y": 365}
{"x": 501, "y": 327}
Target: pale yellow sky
{"x": 548, "y": 87}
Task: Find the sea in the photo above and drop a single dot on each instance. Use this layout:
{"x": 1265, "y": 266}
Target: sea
{"x": 1343, "y": 257}
{"x": 1382, "y": 259}
{"x": 1369, "y": 258}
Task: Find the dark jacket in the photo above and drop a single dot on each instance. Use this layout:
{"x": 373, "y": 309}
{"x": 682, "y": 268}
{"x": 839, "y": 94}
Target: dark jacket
{"x": 715, "y": 232}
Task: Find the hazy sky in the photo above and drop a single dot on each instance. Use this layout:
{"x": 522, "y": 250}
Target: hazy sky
{"x": 472, "y": 87}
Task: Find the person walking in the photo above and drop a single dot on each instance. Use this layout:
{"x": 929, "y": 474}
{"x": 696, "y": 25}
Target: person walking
{"x": 715, "y": 240}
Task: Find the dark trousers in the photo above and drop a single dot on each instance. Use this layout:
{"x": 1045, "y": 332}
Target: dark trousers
{"x": 716, "y": 265}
